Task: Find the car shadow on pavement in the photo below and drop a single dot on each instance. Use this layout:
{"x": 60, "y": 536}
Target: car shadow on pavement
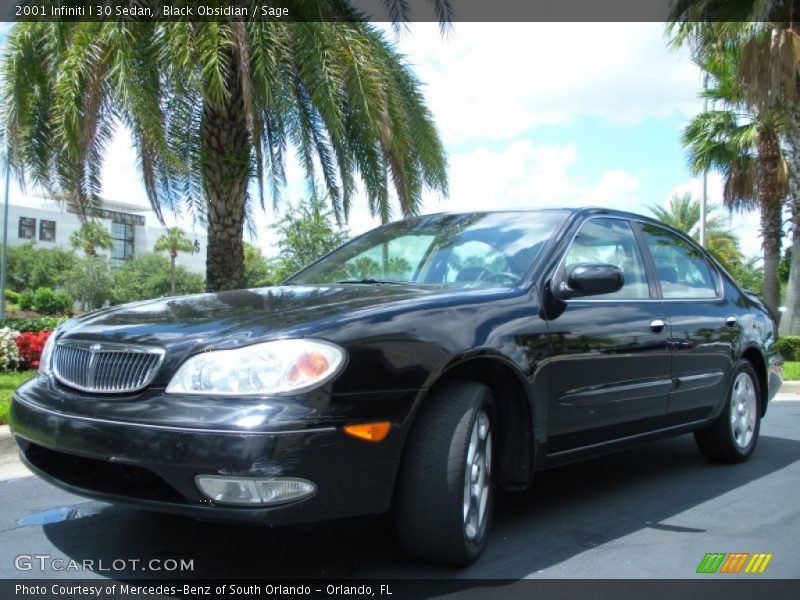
{"x": 566, "y": 512}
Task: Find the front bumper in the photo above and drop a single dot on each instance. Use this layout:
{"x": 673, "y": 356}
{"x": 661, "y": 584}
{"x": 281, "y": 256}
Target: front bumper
{"x": 152, "y": 464}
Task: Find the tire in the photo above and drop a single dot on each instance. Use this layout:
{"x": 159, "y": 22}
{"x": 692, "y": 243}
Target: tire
{"x": 434, "y": 493}
{"x": 734, "y": 435}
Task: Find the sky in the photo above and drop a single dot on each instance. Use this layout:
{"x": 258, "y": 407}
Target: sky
{"x": 531, "y": 115}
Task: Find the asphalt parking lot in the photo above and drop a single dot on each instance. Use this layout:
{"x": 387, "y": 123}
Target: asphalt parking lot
{"x": 649, "y": 512}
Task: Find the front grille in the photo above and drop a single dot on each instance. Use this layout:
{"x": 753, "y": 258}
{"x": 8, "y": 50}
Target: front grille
{"x": 107, "y": 368}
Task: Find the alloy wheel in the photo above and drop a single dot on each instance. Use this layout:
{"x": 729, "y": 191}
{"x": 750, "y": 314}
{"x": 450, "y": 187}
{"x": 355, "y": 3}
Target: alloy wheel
{"x": 477, "y": 476}
{"x": 743, "y": 410}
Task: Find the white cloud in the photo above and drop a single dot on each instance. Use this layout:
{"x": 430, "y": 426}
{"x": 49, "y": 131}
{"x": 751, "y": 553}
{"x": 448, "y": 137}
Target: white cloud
{"x": 121, "y": 178}
{"x": 520, "y": 175}
{"x": 496, "y": 80}
{"x": 525, "y": 175}
{"x": 615, "y": 189}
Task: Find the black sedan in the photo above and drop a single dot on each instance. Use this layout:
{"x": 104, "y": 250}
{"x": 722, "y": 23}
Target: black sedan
{"x": 416, "y": 368}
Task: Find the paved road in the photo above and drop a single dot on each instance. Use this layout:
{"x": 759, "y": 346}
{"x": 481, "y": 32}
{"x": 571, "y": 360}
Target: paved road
{"x": 649, "y": 512}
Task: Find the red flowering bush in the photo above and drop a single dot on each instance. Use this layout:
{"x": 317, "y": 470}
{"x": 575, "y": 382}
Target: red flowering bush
{"x": 30, "y": 347}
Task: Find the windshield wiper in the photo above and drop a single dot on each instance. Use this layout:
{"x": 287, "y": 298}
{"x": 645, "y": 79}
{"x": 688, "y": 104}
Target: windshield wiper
{"x": 374, "y": 281}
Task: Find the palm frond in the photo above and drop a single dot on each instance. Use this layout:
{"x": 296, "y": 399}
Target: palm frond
{"x": 329, "y": 88}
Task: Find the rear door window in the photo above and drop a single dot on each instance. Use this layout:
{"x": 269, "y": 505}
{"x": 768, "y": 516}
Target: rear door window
{"x": 682, "y": 269}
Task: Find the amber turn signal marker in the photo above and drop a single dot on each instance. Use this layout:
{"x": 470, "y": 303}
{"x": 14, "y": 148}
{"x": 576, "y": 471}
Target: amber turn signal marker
{"x": 372, "y": 432}
{"x": 311, "y": 365}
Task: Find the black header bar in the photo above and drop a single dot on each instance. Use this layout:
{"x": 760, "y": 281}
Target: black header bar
{"x": 334, "y": 10}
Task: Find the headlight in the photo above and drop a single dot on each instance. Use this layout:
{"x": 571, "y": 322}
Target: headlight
{"x": 271, "y": 368}
{"x": 47, "y": 354}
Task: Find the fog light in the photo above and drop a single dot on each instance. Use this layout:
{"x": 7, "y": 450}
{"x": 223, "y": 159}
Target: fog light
{"x": 254, "y": 491}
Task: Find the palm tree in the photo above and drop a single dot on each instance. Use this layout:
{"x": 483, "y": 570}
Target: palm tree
{"x": 90, "y": 236}
{"x": 172, "y": 242}
{"x": 684, "y": 213}
{"x": 743, "y": 144}
{"x": 215, "y": 106}
{"x": 768, "y": 75}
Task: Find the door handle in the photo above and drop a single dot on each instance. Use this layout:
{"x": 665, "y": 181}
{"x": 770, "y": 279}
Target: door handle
{"x": 731, "y": 321}
{"x": 657, "y": 326}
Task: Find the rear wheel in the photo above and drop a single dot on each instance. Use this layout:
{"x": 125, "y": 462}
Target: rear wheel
{"x": 733, "y": 437}
{"x": 445, "y": 488}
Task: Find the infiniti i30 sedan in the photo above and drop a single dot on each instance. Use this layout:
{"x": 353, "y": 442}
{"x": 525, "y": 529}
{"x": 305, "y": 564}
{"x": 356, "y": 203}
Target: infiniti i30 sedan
{"x": 417, "y": 368}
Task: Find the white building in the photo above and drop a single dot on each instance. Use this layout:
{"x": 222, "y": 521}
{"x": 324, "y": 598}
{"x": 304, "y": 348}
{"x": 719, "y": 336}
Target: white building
{"x": 134, "y": 229}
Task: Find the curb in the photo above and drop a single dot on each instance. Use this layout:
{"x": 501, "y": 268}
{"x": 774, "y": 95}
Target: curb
{"x": 790, "y": 387}
{"x": 10, "y": 465}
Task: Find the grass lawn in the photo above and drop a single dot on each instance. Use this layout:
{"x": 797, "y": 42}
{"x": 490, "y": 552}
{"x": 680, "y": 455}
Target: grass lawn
{"x": 8, "y": 383}
{"x": 791, "y": 370}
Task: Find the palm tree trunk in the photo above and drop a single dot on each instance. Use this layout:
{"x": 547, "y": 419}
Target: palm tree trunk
{"x": 790, "y": 320}
{"x": 771, "y": 204}
{"x": 226, "y": 173}
{"x": 172, "y": 256}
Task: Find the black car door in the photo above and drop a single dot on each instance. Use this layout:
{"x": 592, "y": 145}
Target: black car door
{"x": 610, "y": 369}
{"x": 704, "y": 323}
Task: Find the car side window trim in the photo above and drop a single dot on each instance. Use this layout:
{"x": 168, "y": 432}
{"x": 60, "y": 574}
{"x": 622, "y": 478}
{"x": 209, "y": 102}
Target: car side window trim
{"x": 655, "y": 287}
{"x": 650, "y": 263}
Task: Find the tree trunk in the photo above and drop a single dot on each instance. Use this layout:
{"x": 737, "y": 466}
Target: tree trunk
{"x": 771, "y": 205}
{"x": 226, "y": 173}
{"x": 790, "y": 320}
{"x": 172, "y": 256}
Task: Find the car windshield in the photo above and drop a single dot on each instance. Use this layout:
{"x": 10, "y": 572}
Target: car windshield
{"x": 465, "y": 250}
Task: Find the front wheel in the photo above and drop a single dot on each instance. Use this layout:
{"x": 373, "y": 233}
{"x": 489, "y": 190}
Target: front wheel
{"x": 733, "y": 437}
{"x": 445, "y": 488}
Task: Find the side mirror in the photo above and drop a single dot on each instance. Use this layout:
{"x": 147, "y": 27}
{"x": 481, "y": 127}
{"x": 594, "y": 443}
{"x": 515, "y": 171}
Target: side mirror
{"x": 590, "y": 279}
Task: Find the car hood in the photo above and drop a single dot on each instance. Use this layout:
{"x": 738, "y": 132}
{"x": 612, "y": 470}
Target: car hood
{"x": 235, "y": 318}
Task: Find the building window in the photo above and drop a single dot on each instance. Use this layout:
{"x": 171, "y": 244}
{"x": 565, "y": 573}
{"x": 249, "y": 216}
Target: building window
{"x": 123, "y": 236}
{"x": 47, "y": 231}
{"x": 111, "y": 215}
{"x": 27, "y": 228}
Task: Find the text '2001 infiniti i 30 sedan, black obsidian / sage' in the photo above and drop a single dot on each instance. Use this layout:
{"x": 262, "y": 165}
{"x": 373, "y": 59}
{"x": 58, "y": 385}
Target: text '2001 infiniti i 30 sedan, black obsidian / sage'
{"x": 415, "y": 369}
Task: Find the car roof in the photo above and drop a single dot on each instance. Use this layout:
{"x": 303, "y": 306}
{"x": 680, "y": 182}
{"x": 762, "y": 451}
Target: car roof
{"x": 582, "y": 211}
{"x": 574, "y": 214}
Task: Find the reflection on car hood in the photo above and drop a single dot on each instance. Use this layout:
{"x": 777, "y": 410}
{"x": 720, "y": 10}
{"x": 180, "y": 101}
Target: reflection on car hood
{"x": 237, "y": 317}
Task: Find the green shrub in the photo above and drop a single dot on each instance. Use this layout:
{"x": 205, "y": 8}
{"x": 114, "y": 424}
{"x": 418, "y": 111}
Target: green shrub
{"x": 31, "y": 267}
{"x": 63, "y": 303}
{"x": 789, "y": 347}
{"x": 12, "y": 296}
{"x": 26, "y": 300}
{"x": 34, "y": 324}
{"x": 48, "y": 302}
{"x": 147, "y": 276}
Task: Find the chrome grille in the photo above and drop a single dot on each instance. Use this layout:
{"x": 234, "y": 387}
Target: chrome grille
{"x": 107, "y": 368}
